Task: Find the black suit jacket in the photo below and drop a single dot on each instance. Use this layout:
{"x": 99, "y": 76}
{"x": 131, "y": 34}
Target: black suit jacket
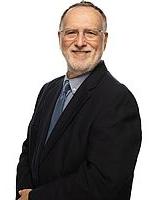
{"x": 92, "y": 152}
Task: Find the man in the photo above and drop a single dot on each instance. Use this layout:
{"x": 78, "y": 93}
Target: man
{"x": 85, "y": 134}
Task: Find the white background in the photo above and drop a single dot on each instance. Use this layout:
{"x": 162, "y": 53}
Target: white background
{"x": 30, "y": 56}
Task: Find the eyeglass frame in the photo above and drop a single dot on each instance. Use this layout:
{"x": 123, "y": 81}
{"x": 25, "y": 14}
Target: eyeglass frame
{"x": 84, "y": 31}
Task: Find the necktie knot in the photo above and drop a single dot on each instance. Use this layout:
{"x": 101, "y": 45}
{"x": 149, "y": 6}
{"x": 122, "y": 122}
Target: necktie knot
{"x": 66, "y": 88}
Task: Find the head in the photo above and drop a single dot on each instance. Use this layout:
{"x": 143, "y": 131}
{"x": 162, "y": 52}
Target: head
{"x": 82, "y": 37}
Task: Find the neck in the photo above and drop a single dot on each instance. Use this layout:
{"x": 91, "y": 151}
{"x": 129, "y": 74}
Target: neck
{"x": 71, "y": 74}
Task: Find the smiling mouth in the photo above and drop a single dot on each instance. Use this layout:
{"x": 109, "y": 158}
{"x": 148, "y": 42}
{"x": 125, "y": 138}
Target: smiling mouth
{"x": 80, "y": 52}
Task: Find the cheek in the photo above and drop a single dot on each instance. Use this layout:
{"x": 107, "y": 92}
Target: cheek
{"x": 100, "y": 47}
{"x": 97, "y": 46}
{"x": 65, "y": 45}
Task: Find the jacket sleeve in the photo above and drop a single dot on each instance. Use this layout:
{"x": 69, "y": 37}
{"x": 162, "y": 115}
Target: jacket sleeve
{"x": 107, "y": 172}
{"x": 23, "y": 176}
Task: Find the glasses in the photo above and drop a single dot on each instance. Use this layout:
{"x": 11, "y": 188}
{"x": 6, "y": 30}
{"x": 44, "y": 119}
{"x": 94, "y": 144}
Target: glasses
{"x": 89, "y": 34}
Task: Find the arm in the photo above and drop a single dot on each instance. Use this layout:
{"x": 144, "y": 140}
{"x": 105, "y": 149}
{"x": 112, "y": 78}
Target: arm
{"x": 24, "y": 178}
{"x": 107, "y": 172}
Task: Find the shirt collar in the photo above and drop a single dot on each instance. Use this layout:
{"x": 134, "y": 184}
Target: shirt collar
{"x": 77, "y": 81}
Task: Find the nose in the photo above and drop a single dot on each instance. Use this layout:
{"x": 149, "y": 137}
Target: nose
{"x": 80, "y": 40}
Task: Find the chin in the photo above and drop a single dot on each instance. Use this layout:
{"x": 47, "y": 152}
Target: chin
{"x": 80, "y": 67}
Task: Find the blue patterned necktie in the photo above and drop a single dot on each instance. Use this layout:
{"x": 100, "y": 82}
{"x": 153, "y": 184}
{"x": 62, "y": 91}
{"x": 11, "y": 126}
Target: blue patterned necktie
{"x": 58, "y": 109}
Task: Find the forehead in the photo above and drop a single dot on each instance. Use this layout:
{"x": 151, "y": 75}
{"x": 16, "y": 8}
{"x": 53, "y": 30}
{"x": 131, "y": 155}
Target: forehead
{"x": 87, "y": 17}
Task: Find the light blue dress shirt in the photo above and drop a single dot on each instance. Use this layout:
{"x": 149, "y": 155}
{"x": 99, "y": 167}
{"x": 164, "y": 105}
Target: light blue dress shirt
{"x": 74, "y": 84}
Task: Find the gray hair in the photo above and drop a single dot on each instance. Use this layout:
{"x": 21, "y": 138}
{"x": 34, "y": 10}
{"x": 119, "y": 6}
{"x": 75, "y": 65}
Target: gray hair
{"x": 85, "y": 4}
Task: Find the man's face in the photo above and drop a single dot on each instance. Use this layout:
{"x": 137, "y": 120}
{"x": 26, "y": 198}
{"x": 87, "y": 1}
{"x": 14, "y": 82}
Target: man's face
{"x": 82, "y": 48}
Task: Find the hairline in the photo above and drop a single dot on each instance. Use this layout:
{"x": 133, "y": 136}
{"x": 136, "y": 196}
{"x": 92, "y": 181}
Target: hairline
{"x": 90, "y": 5}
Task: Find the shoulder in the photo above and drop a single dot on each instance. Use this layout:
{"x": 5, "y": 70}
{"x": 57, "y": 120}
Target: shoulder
{"x": 114, "y": 101}
{"x": 51, "y": 84}
{"x": 48, "y": 87}
{"x": 114, "y": 92}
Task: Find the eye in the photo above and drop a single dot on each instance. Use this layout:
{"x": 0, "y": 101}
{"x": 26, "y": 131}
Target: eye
{"x": 70, "y": 32}
{"x": 91, "y": 33}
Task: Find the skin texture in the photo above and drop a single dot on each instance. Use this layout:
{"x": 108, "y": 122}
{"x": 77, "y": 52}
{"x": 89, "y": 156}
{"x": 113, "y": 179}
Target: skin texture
{"x": 82, "y": 55}
{"x": 24, "y": 194}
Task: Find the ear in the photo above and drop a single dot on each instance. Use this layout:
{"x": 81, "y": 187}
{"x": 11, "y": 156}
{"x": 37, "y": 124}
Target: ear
{"x": 59, "y": 36}
{"x": 105, "y": 39}
{"x": 59, "y": 39}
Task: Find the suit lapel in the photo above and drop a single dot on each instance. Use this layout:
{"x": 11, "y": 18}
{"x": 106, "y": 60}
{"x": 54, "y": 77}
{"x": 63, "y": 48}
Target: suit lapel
{"x": 48, "y": 106}
{"x": 79, "y": 99}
